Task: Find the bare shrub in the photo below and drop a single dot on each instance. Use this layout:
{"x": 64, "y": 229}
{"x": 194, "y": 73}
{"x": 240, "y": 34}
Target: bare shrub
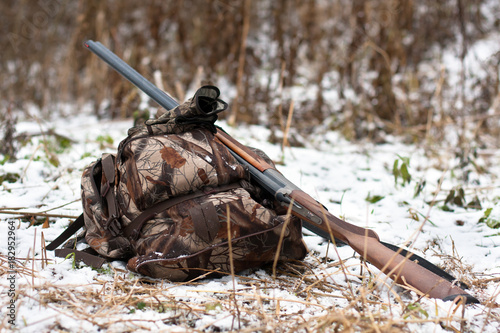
{"x": 375, "y": 56}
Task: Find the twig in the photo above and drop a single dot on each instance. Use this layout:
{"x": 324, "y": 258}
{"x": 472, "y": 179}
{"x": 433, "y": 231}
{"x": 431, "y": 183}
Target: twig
{"x": 33, "y": 260}
{"x": 29, "y": 162}
{"x": 288, "y": 217}
{"x": 63, "y": 205}
{"x": 24, "y": 136}
{"x": 231, "y": 265}
{"x": 44, "y": 252}
{"x": 287, "y": 129}
{"x": 33, "y": 214}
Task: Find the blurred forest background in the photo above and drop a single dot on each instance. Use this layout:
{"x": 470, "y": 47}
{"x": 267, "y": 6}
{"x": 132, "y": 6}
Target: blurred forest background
{"x": 367, "y": 68}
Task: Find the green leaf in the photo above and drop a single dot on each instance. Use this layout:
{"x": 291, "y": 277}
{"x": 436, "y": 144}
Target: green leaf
{"x": 213, "y": 306}
{"x": 419, "y": 187}
{"x": 141, "y": 305}
{"x": 5, "y": 159}
{"x": 447, "y": 208}
{"x": 416, "y": 310}
{"x": 449, "y": 197}
{"x": 493, "y": 224}
{"x": 486, "y": 214}
{"x": 72, "y": 257}
{"x": 405, "y": 160}
{"x": 474, "y": 203}
{"x": 458, "y": 201}
{"x": 395, "y": 171}
{"x": 401, "y": 171}
{"x": 104, "y": 140}
{"x": 405, "y": 174}
{"x": 9, "y": 177}
{"x": 53, "y": 159}
{"x": 490, "y": 222}
{"x": 374, "y": 198}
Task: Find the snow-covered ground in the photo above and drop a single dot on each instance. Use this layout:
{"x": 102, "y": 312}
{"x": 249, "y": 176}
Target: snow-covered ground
{"x": 353, "y": 180}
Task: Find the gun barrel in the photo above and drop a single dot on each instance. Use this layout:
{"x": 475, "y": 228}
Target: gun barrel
{"x": 131, "y": 74}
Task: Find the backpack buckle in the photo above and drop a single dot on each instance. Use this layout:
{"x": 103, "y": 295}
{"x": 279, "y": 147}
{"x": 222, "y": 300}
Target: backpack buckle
{"x": 113, "y": 225}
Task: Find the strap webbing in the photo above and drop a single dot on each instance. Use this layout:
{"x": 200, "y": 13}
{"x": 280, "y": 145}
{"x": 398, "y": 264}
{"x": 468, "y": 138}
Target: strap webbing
{"x": 107, "y": 191}
{"x": 88, "y": 256}
{"x": 134, "y": 228}
{"x": 66, "y": 234}
{"x": 113, "y": 224}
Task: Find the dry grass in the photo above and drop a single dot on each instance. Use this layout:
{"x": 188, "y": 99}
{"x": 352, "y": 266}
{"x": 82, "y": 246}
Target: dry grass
{"x": 310, "y": 296}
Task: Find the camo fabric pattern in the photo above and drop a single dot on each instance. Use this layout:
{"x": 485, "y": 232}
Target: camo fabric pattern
{"x": 173, "y": 247}
{"x": 96, "y": 214}
{"x": 176, "y": 156}
{"x": 155, "y": 168}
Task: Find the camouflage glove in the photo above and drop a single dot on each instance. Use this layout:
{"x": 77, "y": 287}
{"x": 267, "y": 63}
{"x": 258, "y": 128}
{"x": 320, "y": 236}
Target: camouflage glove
{"x": 199, "y": 111}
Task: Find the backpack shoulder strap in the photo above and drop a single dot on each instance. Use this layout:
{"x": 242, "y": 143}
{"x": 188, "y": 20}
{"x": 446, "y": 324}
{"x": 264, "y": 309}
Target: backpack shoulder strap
{"x": 88, "y": 256}
{"x": 107, "y": 192}
{"x": 66, "y": 234}
{"x": 134, "y": 228}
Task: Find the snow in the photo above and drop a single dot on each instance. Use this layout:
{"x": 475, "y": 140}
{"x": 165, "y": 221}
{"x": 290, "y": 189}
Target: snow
{"x": 322, "y": 290}
{"x": 338, "y": 173}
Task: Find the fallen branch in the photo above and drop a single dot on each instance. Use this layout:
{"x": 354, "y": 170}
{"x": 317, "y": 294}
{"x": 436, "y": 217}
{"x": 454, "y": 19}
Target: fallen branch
{"x": 13, "y": 212}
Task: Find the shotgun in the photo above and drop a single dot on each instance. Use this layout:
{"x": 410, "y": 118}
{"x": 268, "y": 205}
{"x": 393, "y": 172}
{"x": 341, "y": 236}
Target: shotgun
{"x": 402, "y": 266}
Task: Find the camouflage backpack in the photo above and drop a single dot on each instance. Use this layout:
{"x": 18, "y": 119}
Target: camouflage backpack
{"x": 173, "y": 201}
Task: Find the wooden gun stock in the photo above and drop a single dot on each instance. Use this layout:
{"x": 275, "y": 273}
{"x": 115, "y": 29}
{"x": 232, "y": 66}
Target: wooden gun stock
{"x": 364, "y": 241}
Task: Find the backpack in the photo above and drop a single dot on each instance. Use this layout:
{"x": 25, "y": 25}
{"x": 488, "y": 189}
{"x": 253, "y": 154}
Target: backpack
{"x": 174, "y": 203}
